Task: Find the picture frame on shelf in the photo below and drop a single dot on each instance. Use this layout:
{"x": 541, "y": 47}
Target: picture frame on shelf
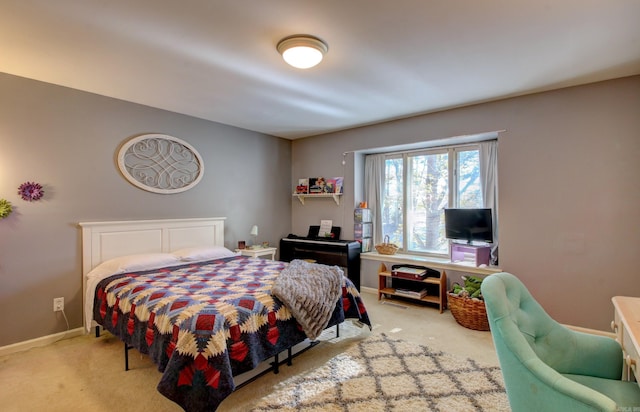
{"x": 331, "y": 185}
{"x": 336, "y": 182}
{"x": 317, "y": 185}
{"x": 303, "y": 186}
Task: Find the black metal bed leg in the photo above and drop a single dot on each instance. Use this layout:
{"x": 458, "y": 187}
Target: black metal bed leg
{"x": 276, "y": 364}
{"x": 97, "y": 331}
{"x": 338, "y": 330}
{"x": 126, "y": 356}
{"x": 289, "y": 357}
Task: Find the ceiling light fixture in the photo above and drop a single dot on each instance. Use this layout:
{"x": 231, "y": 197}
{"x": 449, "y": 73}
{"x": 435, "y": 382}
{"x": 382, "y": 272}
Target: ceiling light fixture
{"x": 302, "y": 51}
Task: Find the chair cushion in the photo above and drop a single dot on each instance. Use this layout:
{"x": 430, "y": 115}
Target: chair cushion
{"x": 625, "y": 394}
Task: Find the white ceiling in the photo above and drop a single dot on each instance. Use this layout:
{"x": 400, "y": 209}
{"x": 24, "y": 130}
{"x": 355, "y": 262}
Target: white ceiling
{"x": 387, "y": 59}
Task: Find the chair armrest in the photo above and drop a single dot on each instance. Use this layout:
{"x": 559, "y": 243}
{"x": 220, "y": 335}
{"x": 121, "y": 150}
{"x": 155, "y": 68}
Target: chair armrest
{"x": 557, "y": 392}
{"x": 596, "y": 355}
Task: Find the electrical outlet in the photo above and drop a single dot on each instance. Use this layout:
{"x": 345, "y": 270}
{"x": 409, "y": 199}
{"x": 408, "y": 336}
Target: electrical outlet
{"x": 58, "y": 304}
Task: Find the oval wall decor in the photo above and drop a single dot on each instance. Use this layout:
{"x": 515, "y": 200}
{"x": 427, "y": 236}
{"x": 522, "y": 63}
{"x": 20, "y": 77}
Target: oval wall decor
{"x": 160, "y": 163}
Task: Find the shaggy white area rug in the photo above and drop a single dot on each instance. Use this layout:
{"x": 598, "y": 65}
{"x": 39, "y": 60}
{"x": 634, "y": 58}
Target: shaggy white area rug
{"x": 383, "y": 374}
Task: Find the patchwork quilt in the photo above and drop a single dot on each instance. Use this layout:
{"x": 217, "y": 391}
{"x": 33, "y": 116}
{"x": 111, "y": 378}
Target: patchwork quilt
{"x": 203, "y": 323}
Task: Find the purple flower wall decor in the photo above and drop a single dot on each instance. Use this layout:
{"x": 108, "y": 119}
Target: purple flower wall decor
{"x": 30, "y": 191}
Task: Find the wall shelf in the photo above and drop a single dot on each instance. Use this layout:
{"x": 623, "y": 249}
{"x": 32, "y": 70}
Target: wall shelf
{"x": 335, "y": 196}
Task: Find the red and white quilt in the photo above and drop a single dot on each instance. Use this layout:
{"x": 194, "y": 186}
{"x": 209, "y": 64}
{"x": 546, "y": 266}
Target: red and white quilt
{"x": 202, "y": 323}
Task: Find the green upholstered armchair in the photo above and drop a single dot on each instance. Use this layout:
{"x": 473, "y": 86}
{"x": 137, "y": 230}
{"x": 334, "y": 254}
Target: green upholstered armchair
{"x": 547, "y": 366}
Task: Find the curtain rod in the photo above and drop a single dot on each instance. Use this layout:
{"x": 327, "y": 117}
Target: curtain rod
{"x": 445, "y": 141}
{"x": 459, "y": 140}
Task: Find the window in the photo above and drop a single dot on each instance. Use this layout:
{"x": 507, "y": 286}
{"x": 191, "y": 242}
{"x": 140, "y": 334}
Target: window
{"x": 419, "y": 185}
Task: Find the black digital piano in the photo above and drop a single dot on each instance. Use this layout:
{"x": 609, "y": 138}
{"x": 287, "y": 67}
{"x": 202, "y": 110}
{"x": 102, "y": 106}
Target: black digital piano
{"x": 325, "y": 250}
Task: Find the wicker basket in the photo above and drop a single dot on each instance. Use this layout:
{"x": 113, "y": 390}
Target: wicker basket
{"x": 470, "y": 313}
{"x": 386, "y": 248}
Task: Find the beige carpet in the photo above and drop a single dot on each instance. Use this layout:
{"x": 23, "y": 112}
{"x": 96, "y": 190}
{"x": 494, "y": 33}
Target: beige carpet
{"x": 383, "y": 374}
{"x": 87, "y": 374}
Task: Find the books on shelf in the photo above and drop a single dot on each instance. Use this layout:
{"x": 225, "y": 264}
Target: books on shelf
{"x": 413, "y": 272}
{"x": 407, "y": 272}
{"x": 415, "y": 294}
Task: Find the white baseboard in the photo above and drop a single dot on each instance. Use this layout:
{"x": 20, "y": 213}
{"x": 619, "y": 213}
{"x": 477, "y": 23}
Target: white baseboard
{"x": 41, "y": 341}
{"x": 367, "y": 289}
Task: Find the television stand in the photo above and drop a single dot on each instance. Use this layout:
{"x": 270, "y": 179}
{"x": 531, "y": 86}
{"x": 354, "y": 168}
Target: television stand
{"x": 478, "y": 255}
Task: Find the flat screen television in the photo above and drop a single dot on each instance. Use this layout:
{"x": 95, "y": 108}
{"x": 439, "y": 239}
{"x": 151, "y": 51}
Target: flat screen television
{"x": 470, "y": 225}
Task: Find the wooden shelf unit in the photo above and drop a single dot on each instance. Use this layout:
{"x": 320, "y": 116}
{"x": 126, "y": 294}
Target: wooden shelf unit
{"x": 437, "y": 284}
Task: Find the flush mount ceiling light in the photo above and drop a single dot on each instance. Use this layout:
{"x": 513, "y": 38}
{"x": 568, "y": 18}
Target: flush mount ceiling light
{"x": 302, "y": 51}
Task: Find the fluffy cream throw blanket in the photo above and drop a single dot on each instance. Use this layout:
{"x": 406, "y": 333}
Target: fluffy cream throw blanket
{"x": 310, "y": 291}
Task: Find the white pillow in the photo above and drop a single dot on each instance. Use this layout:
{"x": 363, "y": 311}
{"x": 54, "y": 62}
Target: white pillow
{"x": 203, "y": 253}
{"x": 134, "y": 263}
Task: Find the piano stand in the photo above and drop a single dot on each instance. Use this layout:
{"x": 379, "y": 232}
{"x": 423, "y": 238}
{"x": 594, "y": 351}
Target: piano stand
{"x": 344, "y": 253}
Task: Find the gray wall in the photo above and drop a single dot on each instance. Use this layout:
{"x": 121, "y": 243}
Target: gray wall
{"x": 67, "y": 140}
{"x": 569, "y": 189}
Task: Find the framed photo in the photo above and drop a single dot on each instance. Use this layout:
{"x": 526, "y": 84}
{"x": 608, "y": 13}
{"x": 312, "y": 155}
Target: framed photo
{"x": 337, "y": 183}
{"x": 317, "y": 185}
{"x": 303, "y": 187}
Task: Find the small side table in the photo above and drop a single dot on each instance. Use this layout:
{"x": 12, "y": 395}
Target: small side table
{"x": 260, "y": 251}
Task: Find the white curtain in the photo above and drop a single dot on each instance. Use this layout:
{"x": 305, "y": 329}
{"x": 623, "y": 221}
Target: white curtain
{"x": 489, "y": 183}
{"x": 373, "y": 185}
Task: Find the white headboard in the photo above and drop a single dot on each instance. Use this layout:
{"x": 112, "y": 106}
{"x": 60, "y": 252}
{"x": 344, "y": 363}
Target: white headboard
{"x": 105, "y": 240}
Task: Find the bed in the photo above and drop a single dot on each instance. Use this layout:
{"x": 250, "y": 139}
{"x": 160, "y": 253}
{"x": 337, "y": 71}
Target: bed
{"x": 202, "y": 313}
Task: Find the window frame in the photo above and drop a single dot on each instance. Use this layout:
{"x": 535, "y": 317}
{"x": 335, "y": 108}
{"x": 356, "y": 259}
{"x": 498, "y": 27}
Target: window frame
{"x": 453, "y": 153}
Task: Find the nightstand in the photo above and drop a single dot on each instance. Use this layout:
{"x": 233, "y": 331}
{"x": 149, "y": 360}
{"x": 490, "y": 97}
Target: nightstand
{"x": 260, "y": 251}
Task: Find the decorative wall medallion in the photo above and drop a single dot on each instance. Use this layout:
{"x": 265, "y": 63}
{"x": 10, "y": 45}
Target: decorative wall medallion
{"x": 30, "y": 191}
{"x": 5, "y": 208}
{"x": 160, "y": 163}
